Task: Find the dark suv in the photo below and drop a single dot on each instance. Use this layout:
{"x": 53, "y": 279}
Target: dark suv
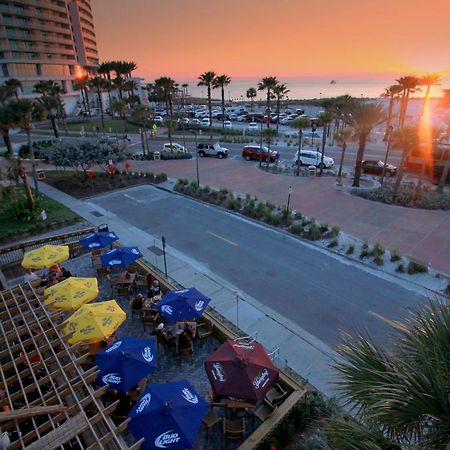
{"x": 376, "y": 168}
{"x": 259, "y": 153}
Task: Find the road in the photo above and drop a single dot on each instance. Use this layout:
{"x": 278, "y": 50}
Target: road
{"x": 323, "y": 294}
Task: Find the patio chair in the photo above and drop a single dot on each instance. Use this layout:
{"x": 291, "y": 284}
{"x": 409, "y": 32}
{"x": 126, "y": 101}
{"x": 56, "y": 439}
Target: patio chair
{"x": 123, "y": 291}
{"x": 233, "y": 430}
{"x": 101, "y": 271}
{"x": 276, "y": 394}
{"x": 211, "y": 419}
{"x": 264, "y": 411}
{"x": 139, "y": 281}
{"x": 149, "y": 320}
{"x": 185, "y": 352}
{"x": 204, "y": 330}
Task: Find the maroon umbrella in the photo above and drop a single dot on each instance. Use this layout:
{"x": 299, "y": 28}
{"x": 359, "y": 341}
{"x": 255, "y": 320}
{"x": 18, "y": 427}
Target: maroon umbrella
{"x": 241, "y": 370}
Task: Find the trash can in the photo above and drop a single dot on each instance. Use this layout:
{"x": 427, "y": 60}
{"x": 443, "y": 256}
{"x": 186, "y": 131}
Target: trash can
{"x": 157, "y": 156}
{"x": 312, "y": 171}
{"x": 40, "y": 174}
{"x": 103, "y": 228}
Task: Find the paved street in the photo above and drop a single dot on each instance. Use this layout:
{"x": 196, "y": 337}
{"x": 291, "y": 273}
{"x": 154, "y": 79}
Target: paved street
{"x": 320, "y": 293}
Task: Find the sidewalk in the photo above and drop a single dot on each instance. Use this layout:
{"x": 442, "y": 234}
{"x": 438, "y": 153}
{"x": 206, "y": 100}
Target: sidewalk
{"x": 421, "y": 234}
{"x": 298, "y": 350}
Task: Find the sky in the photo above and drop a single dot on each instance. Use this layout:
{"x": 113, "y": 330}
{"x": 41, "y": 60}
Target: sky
{"x": 286, "y": 38}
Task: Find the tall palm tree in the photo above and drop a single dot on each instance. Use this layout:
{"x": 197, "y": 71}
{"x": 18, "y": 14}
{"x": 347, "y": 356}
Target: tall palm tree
{"x": 105, "y": 72}
{"x": 14, "y": 85}
{"x": 300, "y": 124}
{"x": 142, "y": 114}
{"x": 118, "y": 106}
{"x": 24, "y": 113}
{"x": 342, "y": 137}
{"x": 445, "y": 104}
{"x": 325, "y": 120}
{"x": 185, "y": 92}
{"x": 99, "y": 84}
{"x": 81, "y": 84}
{"x": 6, "y": 121}
{"x": 166, "y": 87}
{"x": 120, "y": 84}
{"x": 268, "y": 83}
{"x": 280, "y": 91}
{"x": 428, "y": 80}
{"x": 251, "y": 94}
{"x": 408, "y": 84}
{"x": 392, "y": 92}
{"x": 49, "y": 100}
{"x": 220, "y": 82}
{"x": 400, "y": 395}
{"x": 207, "y": 79}
{"x": 363, "y": 118}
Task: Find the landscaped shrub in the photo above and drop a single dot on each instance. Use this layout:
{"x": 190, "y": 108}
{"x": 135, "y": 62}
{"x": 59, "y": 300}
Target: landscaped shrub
{"x": 334, "y": 233}
{"x": 314, "y": 232}
{"x": 206, "y": 189}
{"x": 324, "y": 228}
{"x": 333, "y": 243}
{"x": 298, "y": 215}
{"x": 378, "y": 250}
{"x": 447, "y": 290}
{"x": 232, "y": 204}
{"x": 193, "y": 186}
{"x": 350, "y": 249}
{"x": 395, "y": 256}
{"x": 416, "y": 267}
{"x": 365, "y": 252}
{"x": 296, "y": 228}
{"x": 161, "y": 177}
{"x": 378, "y": 260}
{"x": 400, "y": 268}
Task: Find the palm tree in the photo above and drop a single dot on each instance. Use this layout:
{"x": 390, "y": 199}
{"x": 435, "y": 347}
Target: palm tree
{"x": 166, "y": 87}
{"x": 268, "y": 135}
{"x": 300, "y": 124}
{"x": 142, "y": 114}
{"x": 24, "y": 113}
{"x": 118, "y": 106}
{"x": 251, "y": 94}
{"x": 81, "y": 84}
{"x": 428, "y": 80}
{"x": 14, "y": 85}
{"x": 6, "y": 121}
{"x": 185, "y": 93}
{"x": 363, "y": 118}
{"x": 49, "y": 100}
{"x": 222, "y": 81}
{"x": 207, "y": 80}
{"x": 268, "y": 83}
{"x": 280, "y": 90}
{"x": 445, "y": 104}
{"x": 400, "y": 395}
{"x": 99, "y": 84}
{"x": 408, "y": 84}
{"x": 120, "y": 84}
{"x": 325, "y": 120}
{"x": 392, "y": 92}
{"x": 342, "y": 137}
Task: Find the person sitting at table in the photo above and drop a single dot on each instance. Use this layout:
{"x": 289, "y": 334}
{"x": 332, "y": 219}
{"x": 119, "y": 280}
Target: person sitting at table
{"x": 65, "y": 273}
{"x": 155, "y": 291}
{"x": 29, "y": 276}
{"x": 137, "y": 303}
{"x": 163, "y": 336}
{"x": 55, "y": 269}
{"x": 149, "y": 280}
{"x": 185, "y": 340}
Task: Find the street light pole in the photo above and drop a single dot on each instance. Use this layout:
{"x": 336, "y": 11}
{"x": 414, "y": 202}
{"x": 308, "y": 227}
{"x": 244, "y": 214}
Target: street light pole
{"x": 388, "y": 147}
{"x": 163, "y": 239}
{"x": 288, "y": 202}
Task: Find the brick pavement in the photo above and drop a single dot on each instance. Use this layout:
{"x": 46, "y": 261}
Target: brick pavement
{"x": 422, "y": 234}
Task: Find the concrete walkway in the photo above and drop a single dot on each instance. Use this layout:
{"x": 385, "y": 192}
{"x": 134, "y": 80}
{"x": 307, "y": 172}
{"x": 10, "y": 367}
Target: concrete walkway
{"x": 298, "y": 350}
{"x": 421, "y": 234}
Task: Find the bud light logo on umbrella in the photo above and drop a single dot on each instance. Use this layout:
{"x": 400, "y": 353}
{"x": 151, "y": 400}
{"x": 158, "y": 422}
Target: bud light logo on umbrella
{"x": 121, "y": 256}
{"x": 113, "y": 347}
{"x": 218, "y": 373}
{"x": 99, "y": 239}
{"x": 189, "y": 396}
{"x": 167, "y": 438}
{"x": 147, "y": 354}
{"x": 112, "y": 378}
{"x": 143, "y": 403}
{"x": 182, "y": 305}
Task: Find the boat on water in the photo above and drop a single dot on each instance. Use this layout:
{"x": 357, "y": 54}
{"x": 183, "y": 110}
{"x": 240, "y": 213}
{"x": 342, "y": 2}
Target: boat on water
{"x": 333, "y": 82}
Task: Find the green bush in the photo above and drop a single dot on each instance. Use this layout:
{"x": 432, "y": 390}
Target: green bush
{"x": 193, "y": 185}
{"x": 378, "y": 250}
{"x": 232, "y": 204}
{"x": 400, "y": 268}
{"x": 333, "y": 243}
{"x": 296, "y": 228}
{"x": 350, "y": 249}
{"x": 324, "y": 228}
{"x": 378, "y": 260}
{"x": 298, "y": 215}
{"x": 334, "y": 233}
{"x": 314, "y": 232}
{"x": 206, "y": 189}
{"x": 365, "y": 252}
{"x": 395, "y": 256}
{"x": 416, "y": 267}
{"x": 161, "y": 177}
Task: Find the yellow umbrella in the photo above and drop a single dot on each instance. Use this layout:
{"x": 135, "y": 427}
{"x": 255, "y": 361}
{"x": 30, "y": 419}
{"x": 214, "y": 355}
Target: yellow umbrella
{"x": 70, "y": 294}
{"x": 94, "y": 322}
{"x": 45, "y": 256}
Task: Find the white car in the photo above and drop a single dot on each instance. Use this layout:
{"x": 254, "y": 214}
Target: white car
{"x": 201, "y": 114}
{"x": 252, "y": 126}
{"x": 313, "y": 158}
{"x": 227, "y": 125}
{"x": 174, "y": 148}
{"x": 232, "y": 116}
{"x": 158, "y": 119}
{"x": 195, "y": 122}
{"x": 205, "y": 122}
{"x": 242, "y": 118}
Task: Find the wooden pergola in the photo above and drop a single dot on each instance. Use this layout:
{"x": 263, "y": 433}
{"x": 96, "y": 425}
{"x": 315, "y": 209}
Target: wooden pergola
{"x": 49, "y": 400}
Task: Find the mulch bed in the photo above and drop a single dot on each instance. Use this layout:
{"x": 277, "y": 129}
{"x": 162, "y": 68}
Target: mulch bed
{"x": 81, "y": 186}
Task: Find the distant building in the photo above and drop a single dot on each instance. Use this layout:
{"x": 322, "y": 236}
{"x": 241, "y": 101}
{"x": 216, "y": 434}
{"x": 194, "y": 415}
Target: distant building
{"x": 47, "y": 40}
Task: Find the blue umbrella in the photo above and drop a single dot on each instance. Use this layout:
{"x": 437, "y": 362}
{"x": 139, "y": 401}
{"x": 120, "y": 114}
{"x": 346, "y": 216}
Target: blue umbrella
{"x": 126, "y": 362}
{"x": 120, "y": 257}
{"x": 98, "y": 239}
{"x": 168, "y": 416}
{"x": 182, "y": 305}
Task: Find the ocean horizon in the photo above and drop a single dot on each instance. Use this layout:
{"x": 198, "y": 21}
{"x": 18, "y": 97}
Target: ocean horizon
{"x": 310, "y": 88}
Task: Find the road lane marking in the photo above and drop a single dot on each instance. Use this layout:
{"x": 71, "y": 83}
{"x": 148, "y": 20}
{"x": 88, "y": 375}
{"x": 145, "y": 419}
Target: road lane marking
{"x": 392, "y": 323}
{"x": 132, "y": 198}
{"x": 222, "y": 238}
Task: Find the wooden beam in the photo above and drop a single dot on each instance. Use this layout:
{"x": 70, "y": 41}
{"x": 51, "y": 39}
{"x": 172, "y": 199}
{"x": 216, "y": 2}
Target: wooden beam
{"x": 24, "y": 413}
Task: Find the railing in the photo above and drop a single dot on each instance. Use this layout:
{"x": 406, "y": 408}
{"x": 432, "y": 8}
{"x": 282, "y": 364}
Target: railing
{"x": 13, "y": 255}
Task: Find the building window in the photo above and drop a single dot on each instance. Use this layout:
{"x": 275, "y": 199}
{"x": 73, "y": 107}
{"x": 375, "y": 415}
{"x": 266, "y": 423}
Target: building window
{"x": 5, "y": 70}
{"x": 38, "y": 69}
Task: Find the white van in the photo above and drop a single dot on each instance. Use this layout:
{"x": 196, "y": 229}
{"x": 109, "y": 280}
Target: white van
{"x": 174, "y": 148}
{"x": 313, "y": 158}
{"x": 238, "y": 110}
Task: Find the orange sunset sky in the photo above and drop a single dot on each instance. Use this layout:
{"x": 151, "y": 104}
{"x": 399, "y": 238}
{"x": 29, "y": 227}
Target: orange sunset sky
{"x": 287, "y": 38}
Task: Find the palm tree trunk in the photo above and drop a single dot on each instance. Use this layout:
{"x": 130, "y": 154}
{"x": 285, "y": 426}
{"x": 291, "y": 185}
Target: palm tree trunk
{"x": 100, "y": 104}
{"x": 87, "y": 102}
{"x": 405, "y": 108}
{"x": 54, "y": 127}
{"x": 324, "y": 140}
{"x": 402, "y": 107}
{"x": 210, "y": 110}
{"x": 278, "y": 111}
{"x": 425, "y": 99}
{"x": 33, "y": 161}
{"x": 420, "y": 180}
{"x": 444, "y": 175}
{"x": 223, "y": 106}
{"x": 268, "y": 107}
{"x": 389, "y": 118}
{"x": 401, "y": 169}
{"x": 359, "y": 157}
{"x": 341, "y": 162}
{"x": 26, "y": 185}
{"x": 7, "y": 141}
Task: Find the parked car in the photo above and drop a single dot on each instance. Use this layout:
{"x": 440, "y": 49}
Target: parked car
{"x": 158, "y": 119}
{"x": 258, "y": 152}
{"x": 376, "y": 167}
{"x": 242, "y": 118}
{"x": 252, "y": 126}
{"x": 227, "y": 125}
{"x": 232, "y": 116}
{"x": 313, "y": 158}
{"x": 205, "y": 122}
{"x": 200, "y": 114}
{"x": 212, "y": 150}
{"x": 195, "y": 121}
{"x": 174, "y": 148}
